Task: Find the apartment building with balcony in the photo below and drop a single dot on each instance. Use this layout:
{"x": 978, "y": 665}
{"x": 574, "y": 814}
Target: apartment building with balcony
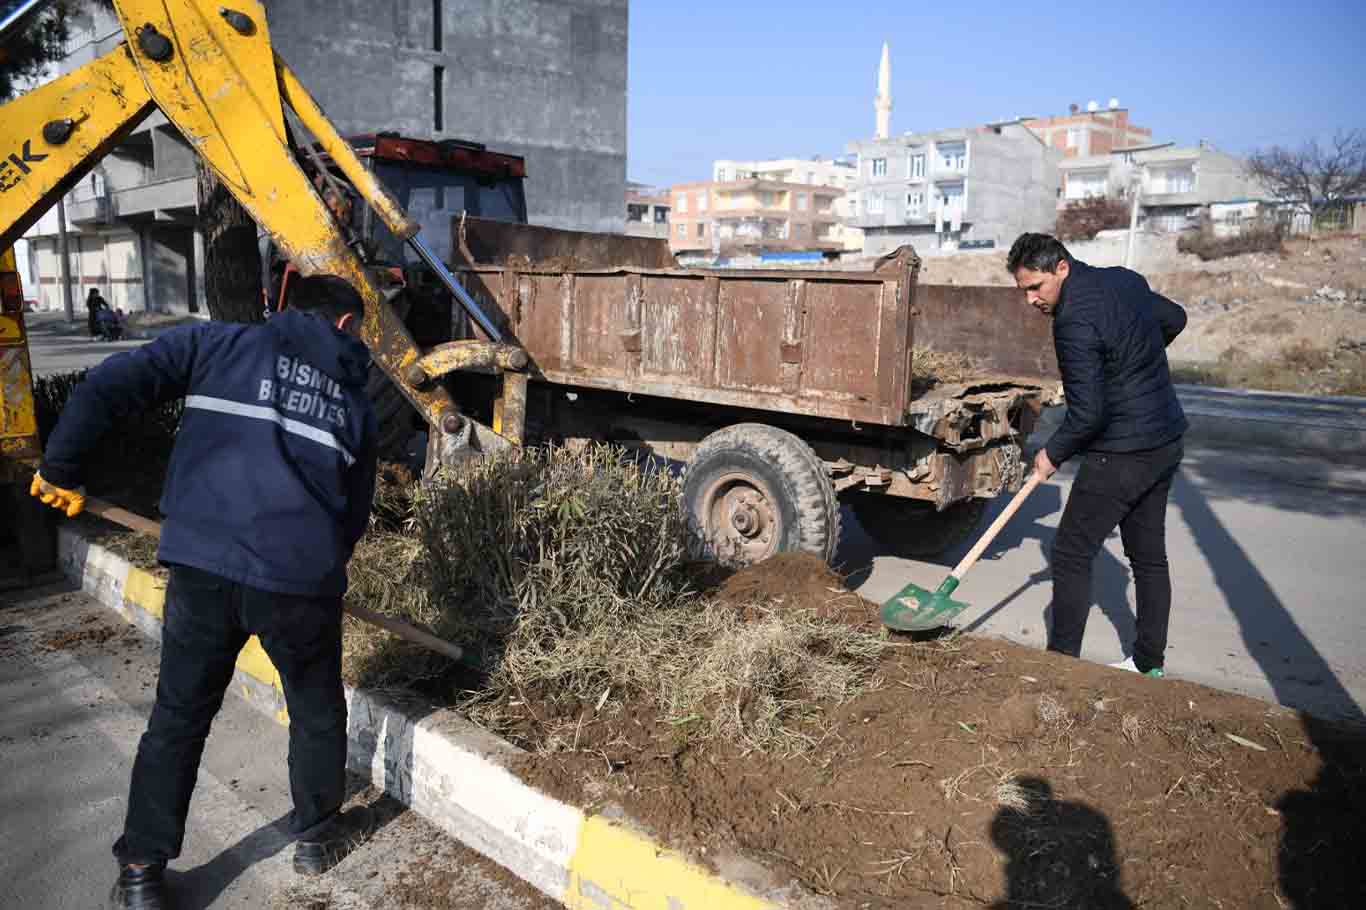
{"x": 647, "y": 211}
{"x": 754, "y": 215}
{"x": 1093, "y": 131}
{"x": 957, "y": 188}
{"x": 835, "y": 172}
{"x": 1175, "y": 183}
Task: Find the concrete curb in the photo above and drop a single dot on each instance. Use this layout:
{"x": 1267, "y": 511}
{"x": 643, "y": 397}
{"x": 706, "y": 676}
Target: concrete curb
{"x": 456, "y": 775}
{"x": 1323, "y": 426}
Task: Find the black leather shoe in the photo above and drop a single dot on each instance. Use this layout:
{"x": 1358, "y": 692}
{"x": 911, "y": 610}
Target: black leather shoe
{"x": 139, "y": 889}
{"x": 347, "y": 831}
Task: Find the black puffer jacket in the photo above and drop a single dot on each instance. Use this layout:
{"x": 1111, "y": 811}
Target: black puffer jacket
{"x": 1111, "y": 332}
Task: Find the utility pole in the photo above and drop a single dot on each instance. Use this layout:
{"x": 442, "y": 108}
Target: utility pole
{"x": 1137, "y": 190}
{"x": 64, "y": 263}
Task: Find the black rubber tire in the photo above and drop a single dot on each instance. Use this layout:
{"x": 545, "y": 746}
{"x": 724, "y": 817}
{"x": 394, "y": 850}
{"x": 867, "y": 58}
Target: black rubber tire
{"x": 912, "y": 528}
{"x": 395, "y": 415}
{"x": 787, "y": 479}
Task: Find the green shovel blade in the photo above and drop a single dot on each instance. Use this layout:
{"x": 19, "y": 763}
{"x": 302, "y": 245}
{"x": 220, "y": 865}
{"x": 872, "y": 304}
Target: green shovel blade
{"x": 914, "y": 609}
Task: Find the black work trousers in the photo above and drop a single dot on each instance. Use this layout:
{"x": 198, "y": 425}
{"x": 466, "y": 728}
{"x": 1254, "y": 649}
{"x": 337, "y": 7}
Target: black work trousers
{"x": 207, "y": 621}
{"x": 1127, "y": 489}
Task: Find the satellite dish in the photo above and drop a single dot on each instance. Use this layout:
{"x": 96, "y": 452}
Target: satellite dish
{"x": 1092, "y": 106}
{"x": 1114, "y": 104}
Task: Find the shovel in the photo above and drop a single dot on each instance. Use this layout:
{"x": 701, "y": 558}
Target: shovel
{"x": 914, "y": 609}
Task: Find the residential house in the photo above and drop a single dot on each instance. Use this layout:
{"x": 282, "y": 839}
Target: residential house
{"x": 754, "y": 215}
{"x": 1176, "y": 183}
{"x": 955, "y": 188}
{"x": 1085, "y": 133}
{"x": 647, "y": 211}
{"x": 835, "y": 172}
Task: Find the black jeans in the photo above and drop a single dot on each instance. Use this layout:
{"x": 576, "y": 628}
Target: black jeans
{"x": 1127, "y": 489}
{"x": 208, "y": 620}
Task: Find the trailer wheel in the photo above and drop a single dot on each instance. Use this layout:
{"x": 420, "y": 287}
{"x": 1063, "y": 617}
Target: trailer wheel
{"x": 752, "y": 490}
{"x": 912, "y": 528}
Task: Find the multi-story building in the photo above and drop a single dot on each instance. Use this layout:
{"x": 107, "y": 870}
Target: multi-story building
{"x": 955, "y": 188}
{"x": 647, "y": 211}
{"x": 1175, "y": 183}
{"x": 754, "y": 214}
{"x": 1078, "y": 133}
{"x": 834, "y": 172}
{"x": 551, "y": 88}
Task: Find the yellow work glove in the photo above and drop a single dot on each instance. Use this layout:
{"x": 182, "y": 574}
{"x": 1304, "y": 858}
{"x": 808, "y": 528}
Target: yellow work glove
{"x": 69, "y": 501}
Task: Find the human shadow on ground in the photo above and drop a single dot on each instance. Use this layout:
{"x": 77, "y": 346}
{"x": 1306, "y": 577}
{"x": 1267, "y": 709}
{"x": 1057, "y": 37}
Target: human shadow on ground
{"x": 1058, "y": 854}
{"x": 1318, "y": 861}
{"x": 198, "y": 888}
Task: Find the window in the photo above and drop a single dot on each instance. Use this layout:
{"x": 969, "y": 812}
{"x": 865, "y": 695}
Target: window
{"x": 437, "y": 27}
{"x": 722, "y": 174}
{"x": 681, "y": 203}
{"x": 879, "y": 167}
{"x": 918, "y": 166}
{"x": 801, "y": 202}
{"x": 1074, "y": 138}
{"x": 661, "y": 214}
{"x": 702, "y": 201}
{"x": 953, "y": 157}
{"x": 701, "y": 230}
{"x": 874, "y": 204}
{"x": 1082, "y": 185}
{"x": 636, "y": 212}
{"x": 810, "y": 176}
{"x": 915, "y": 204}
{"x": 682, "y": 232}
{"x": 798, "y": 230}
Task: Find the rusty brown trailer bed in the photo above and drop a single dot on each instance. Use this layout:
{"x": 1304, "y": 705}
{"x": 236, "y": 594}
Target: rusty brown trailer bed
{"x": 671, "y": 356}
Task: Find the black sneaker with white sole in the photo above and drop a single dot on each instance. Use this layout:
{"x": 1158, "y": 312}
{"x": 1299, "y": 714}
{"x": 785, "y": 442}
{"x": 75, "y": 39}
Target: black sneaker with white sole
{"x": 348, "y": 830}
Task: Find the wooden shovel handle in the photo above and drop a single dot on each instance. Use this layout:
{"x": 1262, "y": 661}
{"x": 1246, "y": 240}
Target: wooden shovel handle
{"x": 1035, "y": 478}
{"x": 403, "y": 630}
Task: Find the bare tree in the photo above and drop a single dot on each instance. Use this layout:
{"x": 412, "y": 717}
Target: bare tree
{"x": 1315, "y": 178}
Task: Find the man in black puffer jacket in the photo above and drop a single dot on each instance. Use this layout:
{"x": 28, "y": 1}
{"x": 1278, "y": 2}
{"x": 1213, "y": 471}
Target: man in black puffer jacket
{"x": 1123, "y": 419}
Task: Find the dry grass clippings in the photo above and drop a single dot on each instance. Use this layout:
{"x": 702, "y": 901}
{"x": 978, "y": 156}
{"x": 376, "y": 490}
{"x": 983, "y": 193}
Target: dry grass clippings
{"x": 565, "y": 575}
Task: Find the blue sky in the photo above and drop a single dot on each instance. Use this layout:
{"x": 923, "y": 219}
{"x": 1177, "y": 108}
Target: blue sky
{"x": 760, "y": 78}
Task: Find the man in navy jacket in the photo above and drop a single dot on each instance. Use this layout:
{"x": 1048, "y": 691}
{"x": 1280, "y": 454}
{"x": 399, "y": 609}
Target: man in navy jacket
{"x": 268, "y": 489}
{"x": 1123, "y": 421}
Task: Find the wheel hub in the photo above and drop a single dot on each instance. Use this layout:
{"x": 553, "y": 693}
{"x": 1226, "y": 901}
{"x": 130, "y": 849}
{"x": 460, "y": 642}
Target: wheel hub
{"x": 741, "y": 519}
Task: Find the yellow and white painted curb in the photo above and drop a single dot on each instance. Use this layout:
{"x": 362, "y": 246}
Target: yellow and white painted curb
{"x": 456, "y": 775}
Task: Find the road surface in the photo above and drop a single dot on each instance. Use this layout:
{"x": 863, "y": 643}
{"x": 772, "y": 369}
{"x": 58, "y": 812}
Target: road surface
{"x": 1267, "y": 564}
{"x": 76, "y": 684}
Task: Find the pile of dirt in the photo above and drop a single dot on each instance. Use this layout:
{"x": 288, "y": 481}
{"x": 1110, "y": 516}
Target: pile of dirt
{"x": 795, "y": 581}
{"x": 981, "y": 772}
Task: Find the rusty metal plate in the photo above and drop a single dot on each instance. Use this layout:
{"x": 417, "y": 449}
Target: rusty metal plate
{"x": 842, "y": 341}
{"x": 507, "y": 243}
{"x": 751, "y": 313}
{"x": 677, "y": 328}
{"x": 993, "y": 325}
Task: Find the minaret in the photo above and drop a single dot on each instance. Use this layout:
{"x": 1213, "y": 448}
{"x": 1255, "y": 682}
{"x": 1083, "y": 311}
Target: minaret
{"x": 883, "y": 102}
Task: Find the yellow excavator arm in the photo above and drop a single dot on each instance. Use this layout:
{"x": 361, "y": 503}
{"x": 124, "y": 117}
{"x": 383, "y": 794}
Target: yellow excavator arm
{"x": 211, "y": 70}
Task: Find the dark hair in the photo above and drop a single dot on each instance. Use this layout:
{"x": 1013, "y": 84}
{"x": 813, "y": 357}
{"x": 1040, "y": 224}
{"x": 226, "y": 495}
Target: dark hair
{"x": 327, "y": 295}
{"x": 1038, "y": 252}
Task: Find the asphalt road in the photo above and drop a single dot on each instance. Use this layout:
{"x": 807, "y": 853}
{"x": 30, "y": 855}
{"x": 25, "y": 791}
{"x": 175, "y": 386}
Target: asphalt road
{"x": 58, "y": 347}
{"x": 76, "y": 684}
{"x": 1267, "y": 564}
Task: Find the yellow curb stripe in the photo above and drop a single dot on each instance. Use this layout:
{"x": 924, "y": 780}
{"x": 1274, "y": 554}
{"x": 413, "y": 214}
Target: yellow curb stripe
{"x": 614, "y": 867}
{"x": 145, "y": 590}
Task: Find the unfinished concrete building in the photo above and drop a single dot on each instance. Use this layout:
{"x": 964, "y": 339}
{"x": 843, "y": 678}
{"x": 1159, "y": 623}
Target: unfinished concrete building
{"x": 544, "y": 80}
{"x": 954, "y": 189}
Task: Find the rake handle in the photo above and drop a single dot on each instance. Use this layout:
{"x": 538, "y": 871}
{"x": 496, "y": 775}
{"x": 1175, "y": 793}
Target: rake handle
{"x": 403, "y": 630}
{"x": 1035, "y": 478}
